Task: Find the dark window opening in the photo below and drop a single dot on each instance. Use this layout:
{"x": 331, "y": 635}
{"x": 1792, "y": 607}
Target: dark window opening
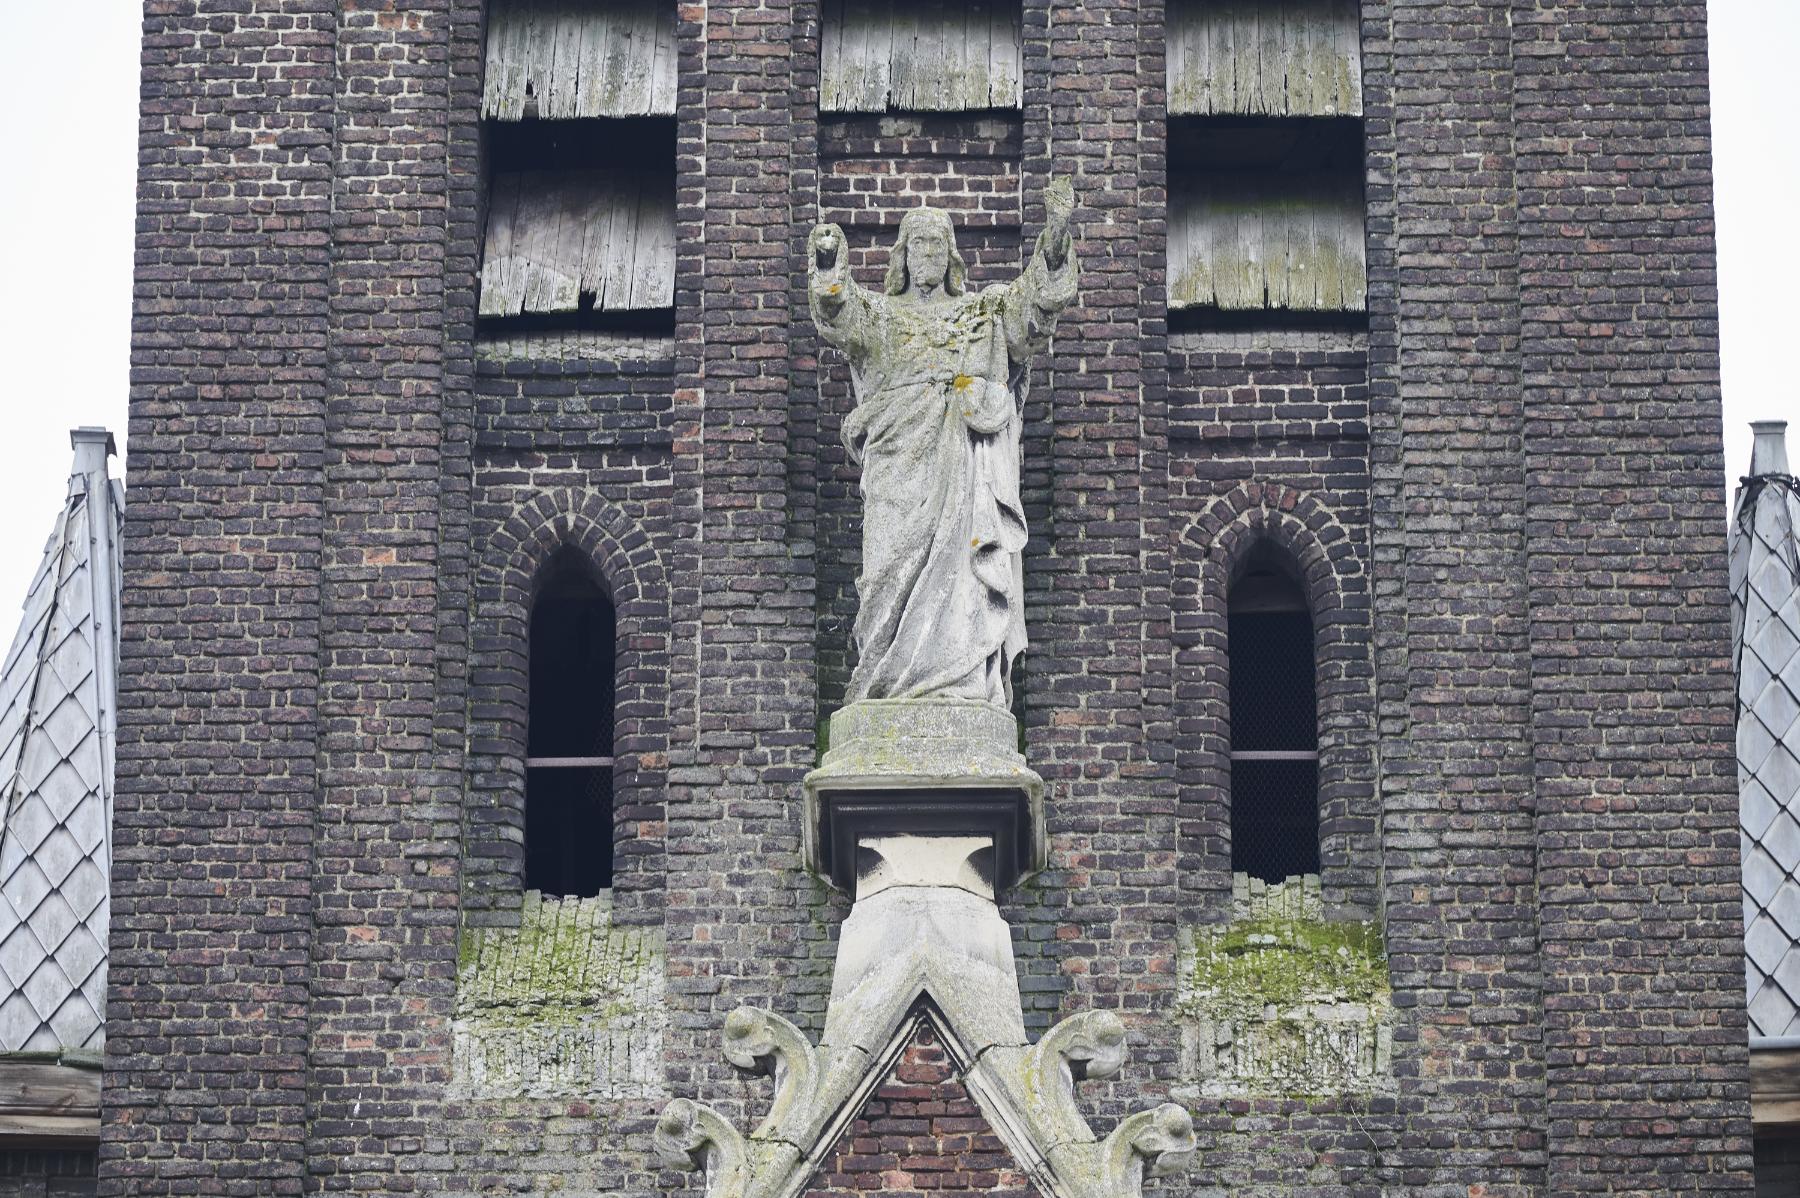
{"x": 1274, "y": 724}
{"x": 569, "y": 737}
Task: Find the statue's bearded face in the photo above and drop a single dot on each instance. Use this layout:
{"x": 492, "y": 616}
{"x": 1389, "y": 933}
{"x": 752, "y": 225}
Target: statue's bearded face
{"x": 927, "y": 259}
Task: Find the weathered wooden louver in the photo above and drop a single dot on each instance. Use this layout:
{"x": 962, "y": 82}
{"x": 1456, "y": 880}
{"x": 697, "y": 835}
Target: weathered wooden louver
{"x": 1250, "y": 242}
{"x": 555, "y": 236}
{"x": 568, "y": 59}
{"x": 919, "y": 55}
{"x": 1265, "y": 57}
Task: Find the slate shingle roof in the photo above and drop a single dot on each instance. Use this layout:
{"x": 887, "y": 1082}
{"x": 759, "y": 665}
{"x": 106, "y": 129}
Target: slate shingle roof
{"x": 1765, "y": 612}
{"x": 57, "y": 689}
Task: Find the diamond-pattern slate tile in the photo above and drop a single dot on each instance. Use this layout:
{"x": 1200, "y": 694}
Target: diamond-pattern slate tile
{"x": 1765, "y": 603}
{"x": 55, "y": 845}
{"x": 1762, "y": 878}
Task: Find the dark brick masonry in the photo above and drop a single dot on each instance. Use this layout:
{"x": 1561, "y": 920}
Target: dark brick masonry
{"x": 921, "y": 1134}
{"x": 1502, "y": 495}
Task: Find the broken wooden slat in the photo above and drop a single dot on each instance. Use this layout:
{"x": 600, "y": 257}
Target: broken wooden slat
{"x": 1249, "y": 243}
{"x": 1265, "y": 57}
{"x": 611, "y": 270}
{"x": 555, "y": 237}
{"x": 573, "y": 59}
{"x": 663, "y": 68}
{"x": 502, "y": 284}
{"x": 1006, "y": 80}
{"x": 919, "y": 55}
{"x": 653, "y": 271}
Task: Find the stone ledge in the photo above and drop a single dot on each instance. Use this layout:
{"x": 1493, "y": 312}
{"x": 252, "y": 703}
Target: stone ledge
{"x": 923, "y": 766}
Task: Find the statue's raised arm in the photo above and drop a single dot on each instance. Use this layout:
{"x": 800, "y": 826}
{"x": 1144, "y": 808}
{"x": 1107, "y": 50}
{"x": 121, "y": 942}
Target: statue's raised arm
{"x": 940, "y": 374}
{"x": 840, "y": 308}
{"x": 1047, "y": 285}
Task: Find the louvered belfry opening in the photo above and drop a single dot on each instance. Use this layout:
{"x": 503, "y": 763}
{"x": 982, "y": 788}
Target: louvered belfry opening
{"x": 920, "y": 55}
{"x": 569, "y": 740}
{"x": 1266, "y": 203}
{"x": 1274, "y": 722}
{"x": 579, "y": 139}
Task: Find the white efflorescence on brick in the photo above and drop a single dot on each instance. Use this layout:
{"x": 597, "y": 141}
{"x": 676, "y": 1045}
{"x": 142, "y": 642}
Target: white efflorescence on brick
{"x": 1765, "y": 616}
{"x": 57, "y": 694}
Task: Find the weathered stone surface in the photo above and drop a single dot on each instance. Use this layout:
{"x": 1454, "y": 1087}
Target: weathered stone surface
{"x": 925, "y": 949}
{"x": 1283, "y": 1001}
{"x": 921, "y": 753}
{"x": 566, "y": 1005}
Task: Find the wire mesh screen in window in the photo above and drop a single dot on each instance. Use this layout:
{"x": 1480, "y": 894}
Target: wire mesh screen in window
{"x": 568, "y": 831}
{"x": 1274, "y": 710}
{"x": 1274, "y": 819}
{"x": 1272, "y": 704}
{"x": 571, "y": 712}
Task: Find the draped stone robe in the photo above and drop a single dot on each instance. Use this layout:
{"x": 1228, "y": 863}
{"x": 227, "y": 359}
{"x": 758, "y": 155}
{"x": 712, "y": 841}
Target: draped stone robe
{"x": 940, "y": 387}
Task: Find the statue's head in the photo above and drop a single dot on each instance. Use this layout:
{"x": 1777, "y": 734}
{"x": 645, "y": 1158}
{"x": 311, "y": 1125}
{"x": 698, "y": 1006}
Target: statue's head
{"x": 924, "y": 256}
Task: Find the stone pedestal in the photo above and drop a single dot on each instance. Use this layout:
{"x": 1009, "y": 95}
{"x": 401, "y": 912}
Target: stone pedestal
{"x": 924, "y": 767}
{"x": 924, "y": 810}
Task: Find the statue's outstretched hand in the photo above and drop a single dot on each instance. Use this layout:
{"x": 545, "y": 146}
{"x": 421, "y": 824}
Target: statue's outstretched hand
{"x": 827, "y": 246}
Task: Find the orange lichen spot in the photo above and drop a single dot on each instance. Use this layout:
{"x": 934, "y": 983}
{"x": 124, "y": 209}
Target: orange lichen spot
{"x": 834, "y": 289}
{"x": 961, "y": 382}
{"x": 976, "y": 543}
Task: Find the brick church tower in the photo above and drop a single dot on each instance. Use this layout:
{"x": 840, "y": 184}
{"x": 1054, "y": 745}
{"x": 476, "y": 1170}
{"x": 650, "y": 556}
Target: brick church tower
{"x": 490, "y": 582}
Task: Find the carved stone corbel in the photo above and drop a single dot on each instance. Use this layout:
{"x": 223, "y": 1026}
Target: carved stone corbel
{"x": 691, "y": 1135}
{"x": 1088, "y": 1045}
{"x": 1154, "y": 1143}
{"x": 763, "y": 1042}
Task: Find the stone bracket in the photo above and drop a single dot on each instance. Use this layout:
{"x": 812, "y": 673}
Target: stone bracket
{"x": 924, "y": 942}
{"x": 1027, "y": 1094}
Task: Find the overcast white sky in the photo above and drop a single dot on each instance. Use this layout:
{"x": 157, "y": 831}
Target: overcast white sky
{"x": 66, "y": 305}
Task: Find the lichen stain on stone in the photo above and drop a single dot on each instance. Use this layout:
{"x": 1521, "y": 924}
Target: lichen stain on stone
{"x": 565, "y": 1005}
{"x": 1258, "y": 963}
{"x": 565, "y": 960}
{"x": 1283, "y": 1001}
{"x": 962, "y": 382}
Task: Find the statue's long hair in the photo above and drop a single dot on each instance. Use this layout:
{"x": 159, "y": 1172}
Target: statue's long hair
{"x": 957, "y": 280}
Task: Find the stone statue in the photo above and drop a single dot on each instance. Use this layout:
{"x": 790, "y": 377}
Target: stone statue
{"x": 940, "y": 378}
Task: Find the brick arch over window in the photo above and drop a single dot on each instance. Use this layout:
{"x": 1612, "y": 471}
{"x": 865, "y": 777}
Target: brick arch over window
{"x": 1210, "y": 554}
{"x": 628, "y": 568}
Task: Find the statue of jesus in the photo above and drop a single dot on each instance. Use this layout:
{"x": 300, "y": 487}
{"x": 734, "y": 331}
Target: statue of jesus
{"x": 940, "y": 375}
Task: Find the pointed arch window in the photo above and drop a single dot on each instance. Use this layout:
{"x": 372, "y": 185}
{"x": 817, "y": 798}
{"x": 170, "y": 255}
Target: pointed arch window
{"x": 1274, "y": 722}
{"x": 569, "y": 737}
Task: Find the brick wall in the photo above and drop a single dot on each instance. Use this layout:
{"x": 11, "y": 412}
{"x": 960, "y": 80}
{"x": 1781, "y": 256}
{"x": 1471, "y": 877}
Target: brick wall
{"x": 1639, "y": 907}
{"x": 1500, "y": 493}
{"x": 221, "y": 643}
{"x": 920, "y": 1133}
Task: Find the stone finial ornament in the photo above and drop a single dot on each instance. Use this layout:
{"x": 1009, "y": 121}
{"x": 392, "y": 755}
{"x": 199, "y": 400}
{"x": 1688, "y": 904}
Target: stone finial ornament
{"x": 940, "y": 375}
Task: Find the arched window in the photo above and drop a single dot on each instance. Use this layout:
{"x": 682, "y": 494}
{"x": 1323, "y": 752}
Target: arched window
{"x": 1274, "y": 722}
{"x": 569, "y": 740}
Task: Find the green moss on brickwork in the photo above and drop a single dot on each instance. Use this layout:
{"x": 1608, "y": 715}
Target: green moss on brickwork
{"x": 564, "y": 962}
{"x": 1245, "y": 967}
